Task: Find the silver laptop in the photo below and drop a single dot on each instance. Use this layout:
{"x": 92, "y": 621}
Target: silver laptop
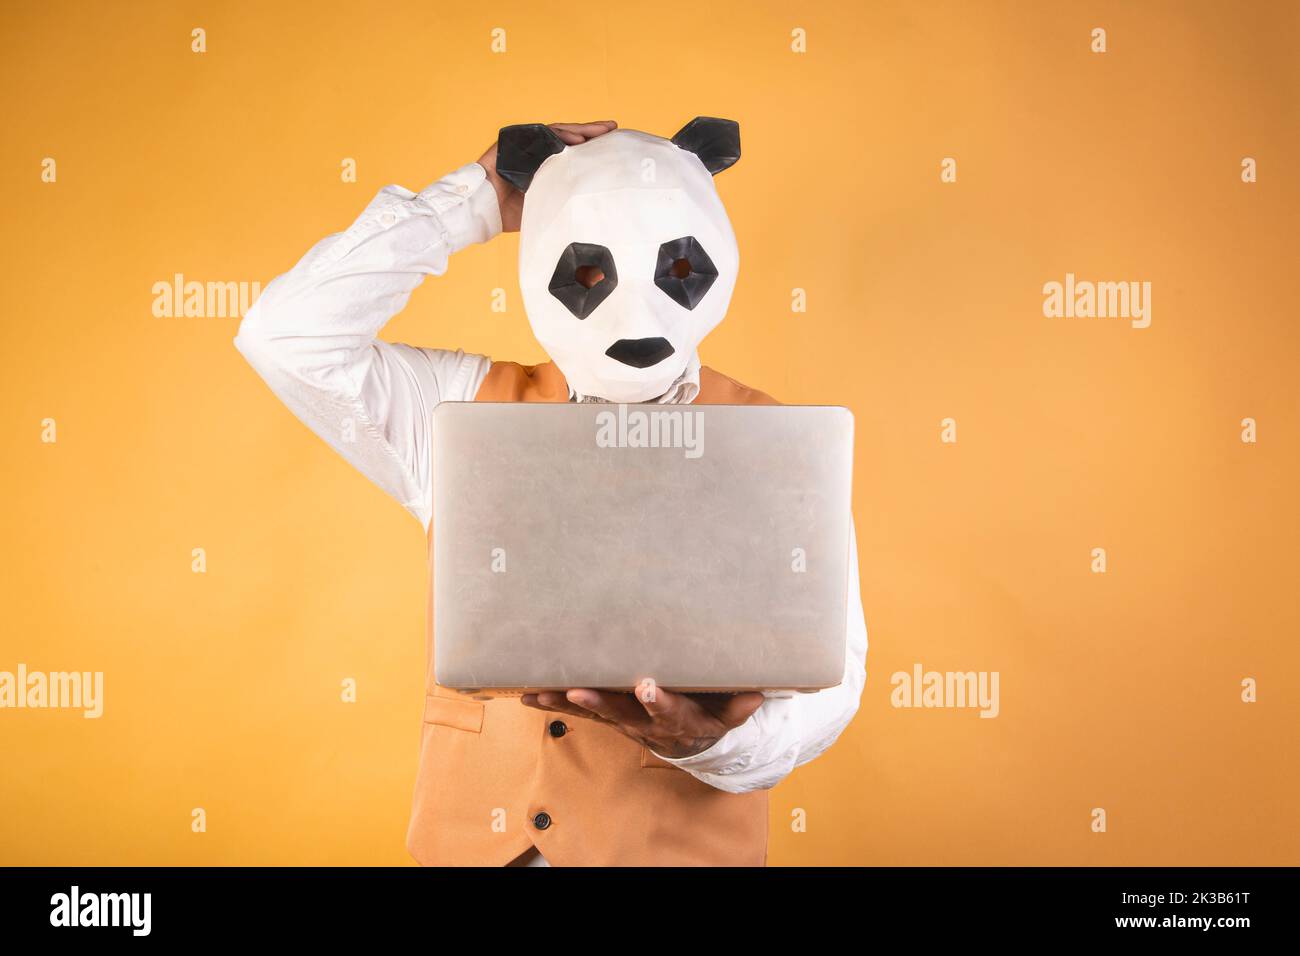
{"x": 592, "y": 545}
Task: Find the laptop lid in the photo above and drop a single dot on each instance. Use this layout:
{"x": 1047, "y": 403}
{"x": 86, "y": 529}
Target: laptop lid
{"x": 595, "y": 545}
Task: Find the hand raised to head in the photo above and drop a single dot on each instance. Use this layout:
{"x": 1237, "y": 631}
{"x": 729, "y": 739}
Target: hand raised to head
{"x": 509, "y": 199}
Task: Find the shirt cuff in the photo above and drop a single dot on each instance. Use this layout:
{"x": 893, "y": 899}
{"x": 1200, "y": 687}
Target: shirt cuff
{"x": 733, "y": 752}
{"x": 466, "y": 204}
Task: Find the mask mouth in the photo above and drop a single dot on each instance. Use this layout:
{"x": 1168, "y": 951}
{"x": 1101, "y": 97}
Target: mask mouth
{"x": 640, "y": 353}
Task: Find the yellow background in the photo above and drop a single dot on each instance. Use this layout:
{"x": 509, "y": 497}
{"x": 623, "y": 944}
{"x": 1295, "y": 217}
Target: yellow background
{"x": 1118, "y": 690}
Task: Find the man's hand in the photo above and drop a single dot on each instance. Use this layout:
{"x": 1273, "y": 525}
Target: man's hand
{"x": 511, "y": 200}
{"x": 672, "y": 725}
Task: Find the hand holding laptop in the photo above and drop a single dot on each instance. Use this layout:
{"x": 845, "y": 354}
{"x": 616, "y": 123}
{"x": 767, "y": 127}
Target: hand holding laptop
{"x": 672, "y": 725}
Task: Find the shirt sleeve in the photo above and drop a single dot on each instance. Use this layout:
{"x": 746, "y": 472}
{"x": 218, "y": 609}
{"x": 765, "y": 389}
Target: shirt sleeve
{"x": 786, "y": 732}
{"x": 312, "y": 334}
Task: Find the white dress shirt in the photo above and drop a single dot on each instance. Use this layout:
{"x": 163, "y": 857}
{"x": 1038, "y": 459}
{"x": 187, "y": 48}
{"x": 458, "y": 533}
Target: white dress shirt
{"x": 312, "y": 336}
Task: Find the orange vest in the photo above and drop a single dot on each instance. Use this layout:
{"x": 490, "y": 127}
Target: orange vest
{"x": 497, "y": 777}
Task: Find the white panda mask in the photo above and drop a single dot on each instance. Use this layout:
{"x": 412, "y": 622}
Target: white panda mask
{"x": 626, "y": 257}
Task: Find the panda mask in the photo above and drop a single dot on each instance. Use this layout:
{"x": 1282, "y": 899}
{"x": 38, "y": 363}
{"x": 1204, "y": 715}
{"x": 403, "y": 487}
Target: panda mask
{"x": 626, "y": 257}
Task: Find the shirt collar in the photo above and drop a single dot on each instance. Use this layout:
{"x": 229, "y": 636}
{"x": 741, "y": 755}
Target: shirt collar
{"x": 681, "y": 392}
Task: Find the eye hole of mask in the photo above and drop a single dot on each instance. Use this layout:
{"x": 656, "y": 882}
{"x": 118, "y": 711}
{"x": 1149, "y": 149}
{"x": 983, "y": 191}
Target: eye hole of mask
{"x": 684, "y": 271}
{"x": 584, "y": 277}
{"x": 588, "y": 276}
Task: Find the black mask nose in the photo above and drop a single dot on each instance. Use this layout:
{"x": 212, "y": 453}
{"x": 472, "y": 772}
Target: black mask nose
{"x": 640, "y": 353}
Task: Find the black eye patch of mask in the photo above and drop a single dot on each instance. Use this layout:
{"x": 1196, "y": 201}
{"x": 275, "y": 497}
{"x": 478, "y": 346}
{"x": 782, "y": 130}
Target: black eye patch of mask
{"x": 684, "y": 271}
{"x": 581, "y": 263}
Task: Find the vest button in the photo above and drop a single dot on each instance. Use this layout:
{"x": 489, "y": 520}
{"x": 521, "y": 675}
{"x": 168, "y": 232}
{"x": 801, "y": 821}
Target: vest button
{"x": 558, "y": 728}
{"x": 542, "y": 820}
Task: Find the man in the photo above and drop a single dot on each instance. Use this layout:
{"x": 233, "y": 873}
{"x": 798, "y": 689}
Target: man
{"x": 627, "y": 260}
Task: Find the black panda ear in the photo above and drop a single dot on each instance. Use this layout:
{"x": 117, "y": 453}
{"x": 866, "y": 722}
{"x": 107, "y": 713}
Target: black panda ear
{"x": 523, "y": 148}
{"x": 715, "y": 141}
